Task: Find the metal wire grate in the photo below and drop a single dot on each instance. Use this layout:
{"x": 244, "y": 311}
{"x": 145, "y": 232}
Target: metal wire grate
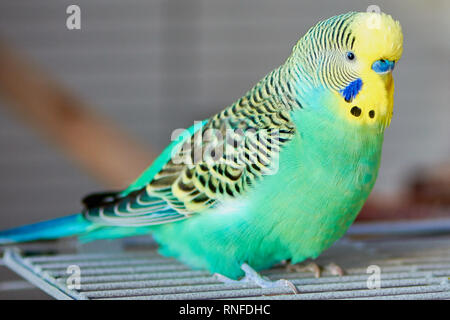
{"x": 413, "y": 266}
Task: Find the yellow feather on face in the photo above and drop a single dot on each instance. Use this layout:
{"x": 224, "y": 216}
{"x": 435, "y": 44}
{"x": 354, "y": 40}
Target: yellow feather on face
{"x": 378, "y": 36}
{"x": 346, "y": 55}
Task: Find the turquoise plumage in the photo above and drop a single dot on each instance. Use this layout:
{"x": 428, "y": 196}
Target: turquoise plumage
{"x": 279, "y": 175}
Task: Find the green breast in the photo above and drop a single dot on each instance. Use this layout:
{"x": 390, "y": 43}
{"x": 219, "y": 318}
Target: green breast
{"x": 325, "y": 175}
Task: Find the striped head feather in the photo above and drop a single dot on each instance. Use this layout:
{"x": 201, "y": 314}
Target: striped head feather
{"x": 353, "y": 56}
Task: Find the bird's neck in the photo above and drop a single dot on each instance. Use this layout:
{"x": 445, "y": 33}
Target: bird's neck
{"x": 296, "y": 81}
{"x": 334, "y": 139}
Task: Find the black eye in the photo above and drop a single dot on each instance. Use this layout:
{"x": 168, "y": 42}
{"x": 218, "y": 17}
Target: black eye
{"x": 350, "y": 55}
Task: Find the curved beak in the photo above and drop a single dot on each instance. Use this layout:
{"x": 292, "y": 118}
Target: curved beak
{"x": 383, "y": 66}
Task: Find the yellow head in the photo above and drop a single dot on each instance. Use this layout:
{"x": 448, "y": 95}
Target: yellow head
{"x": 353, "y": 55}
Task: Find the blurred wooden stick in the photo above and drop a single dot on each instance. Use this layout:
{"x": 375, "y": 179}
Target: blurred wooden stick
{"x": 431, "y": 185}
{"x": 92, "y": 140}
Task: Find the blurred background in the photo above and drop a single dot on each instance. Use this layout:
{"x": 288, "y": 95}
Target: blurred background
{"x": 84, "y": 110}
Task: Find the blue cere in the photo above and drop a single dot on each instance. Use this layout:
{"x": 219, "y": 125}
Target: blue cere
{"x": 383, "y": 66}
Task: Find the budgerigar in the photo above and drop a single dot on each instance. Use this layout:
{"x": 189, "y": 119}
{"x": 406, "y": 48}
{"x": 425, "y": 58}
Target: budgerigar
{"x": 301, "y": 154}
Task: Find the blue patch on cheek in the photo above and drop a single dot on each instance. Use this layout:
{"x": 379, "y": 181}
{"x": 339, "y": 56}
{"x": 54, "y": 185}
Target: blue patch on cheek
{"x": 352, "y": 90}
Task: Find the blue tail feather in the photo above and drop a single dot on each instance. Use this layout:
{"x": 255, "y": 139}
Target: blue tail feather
{"x": 50, "y": 229}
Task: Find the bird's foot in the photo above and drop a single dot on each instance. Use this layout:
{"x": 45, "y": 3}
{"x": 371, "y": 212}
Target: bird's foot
{"x": 251, "y": 276}
{"x": 301, "y": 267}
{"x": 335, "y": 269}
{"x": 316, "y": 269}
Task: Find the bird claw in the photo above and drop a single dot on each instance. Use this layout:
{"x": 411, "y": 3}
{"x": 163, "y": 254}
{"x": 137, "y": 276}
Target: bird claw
{"x": 310, "y": 267}
{"x": 253, "y": 277}
{"x": 316, "y": 269}
{"x": 335, "y": 269}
